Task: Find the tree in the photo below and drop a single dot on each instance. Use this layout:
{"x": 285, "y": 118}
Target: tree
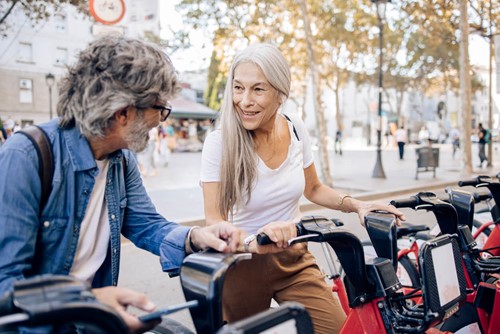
{"x": 465, "y": 88}
{"x": 316, "y": 92}
{"x": 35, "y": 10}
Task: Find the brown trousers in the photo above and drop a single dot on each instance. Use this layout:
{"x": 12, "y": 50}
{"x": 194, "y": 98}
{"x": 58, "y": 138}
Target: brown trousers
{"x": 292, "y": 275}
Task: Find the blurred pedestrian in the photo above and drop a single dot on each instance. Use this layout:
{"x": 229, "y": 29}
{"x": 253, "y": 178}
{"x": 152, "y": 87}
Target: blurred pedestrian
{"x": 338, "y": 142}
{"x": 483, "y": 135}
{"x": 423, "y": 135}
{"x": 401, "y": 138}
{"x": 455, "y": 140}
{"x": 3, "y": 133}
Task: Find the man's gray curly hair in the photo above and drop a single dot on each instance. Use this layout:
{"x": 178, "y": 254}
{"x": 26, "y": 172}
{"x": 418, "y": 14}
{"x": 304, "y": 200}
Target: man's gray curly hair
{"x": 112, "y": 73}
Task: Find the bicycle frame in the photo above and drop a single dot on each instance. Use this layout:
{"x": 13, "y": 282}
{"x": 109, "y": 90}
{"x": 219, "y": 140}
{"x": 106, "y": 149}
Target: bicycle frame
{"x": 481, "y": 181}
{"x": 463, "y": 206}
{"x": 373, "y": 290}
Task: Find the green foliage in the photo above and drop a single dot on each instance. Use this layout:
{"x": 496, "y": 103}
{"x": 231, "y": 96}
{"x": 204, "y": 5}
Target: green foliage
{"x": 36, "y": 10}
{"x": 421, "y": 39}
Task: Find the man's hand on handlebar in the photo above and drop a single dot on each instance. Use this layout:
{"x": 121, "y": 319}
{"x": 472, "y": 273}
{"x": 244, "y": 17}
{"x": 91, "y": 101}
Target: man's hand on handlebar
{"x": 223, "y": 237}
{"x": 120, "y": 298}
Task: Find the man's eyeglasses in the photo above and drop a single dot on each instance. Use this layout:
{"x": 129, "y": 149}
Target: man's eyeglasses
{"x": 164, "y": 111}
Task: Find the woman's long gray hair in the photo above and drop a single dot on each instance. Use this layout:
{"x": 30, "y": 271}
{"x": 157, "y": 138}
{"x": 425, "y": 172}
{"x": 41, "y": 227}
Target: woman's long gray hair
{"x": 239, "y": 160}
{"x": 112, "y": 73}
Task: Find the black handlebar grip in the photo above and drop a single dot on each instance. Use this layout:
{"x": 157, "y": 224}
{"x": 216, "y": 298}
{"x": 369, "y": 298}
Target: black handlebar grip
{"x": 411, "y": 202}
{"x": 481, "y": 197}
{"x": 263, "y": 239}
{"x": 468, "y": 183}
{"x": 6, "y": 304}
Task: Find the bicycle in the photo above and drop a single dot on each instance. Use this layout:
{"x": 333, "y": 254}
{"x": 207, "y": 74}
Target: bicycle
{"x": 373, "y": 289}
{"x": 459, "y": 208}
{"x": 494, "y": 188}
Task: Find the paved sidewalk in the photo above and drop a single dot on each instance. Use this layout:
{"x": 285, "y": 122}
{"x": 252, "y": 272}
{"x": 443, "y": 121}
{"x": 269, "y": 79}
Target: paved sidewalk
{"x": 176, "y": 192}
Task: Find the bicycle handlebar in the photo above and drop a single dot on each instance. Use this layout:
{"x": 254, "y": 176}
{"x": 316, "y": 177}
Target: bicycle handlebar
{"x": 480, "y": 181}
{"x": 309, "y": 228}
{"x": 411, "y": 202}
{"x": 481, "y": 197}
{"x": 468, "y": 183}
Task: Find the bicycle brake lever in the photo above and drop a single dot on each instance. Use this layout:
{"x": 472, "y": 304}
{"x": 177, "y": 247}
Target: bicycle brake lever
{"x": 303, "y": 238}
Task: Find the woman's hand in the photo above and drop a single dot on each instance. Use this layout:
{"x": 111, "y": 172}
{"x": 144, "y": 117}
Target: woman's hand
{"x": 279, "y": 232}
{"x": 363, "y": 208}
{"x": 120, "y": 298}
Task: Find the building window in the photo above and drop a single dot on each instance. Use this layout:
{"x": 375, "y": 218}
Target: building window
{"x": 60, "y": 21}
{"x": 26, "y": 91}
{"x": 25, "y": 53}
{"x": 61, "y": 56}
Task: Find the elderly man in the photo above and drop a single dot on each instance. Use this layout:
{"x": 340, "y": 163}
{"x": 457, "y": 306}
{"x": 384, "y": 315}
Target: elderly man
{"x": 115, "y": 93}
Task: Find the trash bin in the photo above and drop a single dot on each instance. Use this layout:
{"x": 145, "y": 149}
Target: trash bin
{"x": 427, "y": 160}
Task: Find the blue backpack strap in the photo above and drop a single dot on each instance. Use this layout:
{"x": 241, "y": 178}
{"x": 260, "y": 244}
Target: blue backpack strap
{"x": 294, "y": 130}
{"x": 41, "y": 142}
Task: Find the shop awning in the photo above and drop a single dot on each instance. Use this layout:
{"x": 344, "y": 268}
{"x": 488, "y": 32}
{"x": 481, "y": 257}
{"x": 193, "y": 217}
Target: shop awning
{"x": 185, "y": 108}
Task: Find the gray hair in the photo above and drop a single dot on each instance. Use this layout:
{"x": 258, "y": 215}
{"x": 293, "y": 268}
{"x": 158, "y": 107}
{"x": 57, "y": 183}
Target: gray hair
{"x": 112, "y": 73}
{"x": 239, "y": 160}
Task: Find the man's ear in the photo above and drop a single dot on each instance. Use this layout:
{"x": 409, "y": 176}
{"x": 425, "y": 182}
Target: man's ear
{"x": 122, "y": 116}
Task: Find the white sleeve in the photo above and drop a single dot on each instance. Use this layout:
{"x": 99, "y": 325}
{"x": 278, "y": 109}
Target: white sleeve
{"x": 211, "y": 157}
{"x": 304, "y": 138}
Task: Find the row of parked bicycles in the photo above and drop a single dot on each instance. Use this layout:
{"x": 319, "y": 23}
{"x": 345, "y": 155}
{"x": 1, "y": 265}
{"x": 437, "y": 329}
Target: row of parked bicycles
{"x": 421, "y": 279}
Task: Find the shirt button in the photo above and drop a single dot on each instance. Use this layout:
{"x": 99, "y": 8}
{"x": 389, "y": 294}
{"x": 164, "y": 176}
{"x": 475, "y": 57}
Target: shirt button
{"x": 114, "y": 250}
{"x": 85, "y": 192}
{"x": 46, "y": 223}
{"x": 113, "y": 217}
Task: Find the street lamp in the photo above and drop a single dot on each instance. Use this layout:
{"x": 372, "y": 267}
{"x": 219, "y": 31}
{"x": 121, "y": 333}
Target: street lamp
{"x": 50, "y": 80}
{"x": 378, "y": 171}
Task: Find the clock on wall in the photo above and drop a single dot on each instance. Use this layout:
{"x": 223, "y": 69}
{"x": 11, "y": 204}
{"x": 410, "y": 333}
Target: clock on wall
{"x": 107, "y": 11}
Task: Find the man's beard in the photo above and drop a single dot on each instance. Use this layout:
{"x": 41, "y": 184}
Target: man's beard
{"x": 137, "y": 139}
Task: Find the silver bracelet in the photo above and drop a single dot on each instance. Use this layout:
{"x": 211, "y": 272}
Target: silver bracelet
{"x": 190, "y": 247}
{"x": 341, "y": 201}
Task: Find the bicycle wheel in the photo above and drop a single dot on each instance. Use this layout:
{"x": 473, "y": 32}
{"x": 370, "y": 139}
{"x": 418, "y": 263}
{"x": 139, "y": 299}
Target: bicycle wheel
{"x": 408, "y": 273}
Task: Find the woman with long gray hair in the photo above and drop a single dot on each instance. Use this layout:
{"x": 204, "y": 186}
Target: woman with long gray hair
{"x": 255, "y": 168}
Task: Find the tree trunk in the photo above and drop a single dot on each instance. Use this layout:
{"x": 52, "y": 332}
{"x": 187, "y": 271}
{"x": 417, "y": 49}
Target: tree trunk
{"x": 316, "y": 92}
{"x": 7, "y": 13}
{"x": 465, "y": 90}
{"x": 338, "y": 116}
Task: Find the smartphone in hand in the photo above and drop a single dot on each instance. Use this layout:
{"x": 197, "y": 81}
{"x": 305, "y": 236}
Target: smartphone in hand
{"x": 168, "y": 310}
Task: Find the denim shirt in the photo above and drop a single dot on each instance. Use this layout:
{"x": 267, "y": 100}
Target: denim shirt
{"x": 33, "y": 244}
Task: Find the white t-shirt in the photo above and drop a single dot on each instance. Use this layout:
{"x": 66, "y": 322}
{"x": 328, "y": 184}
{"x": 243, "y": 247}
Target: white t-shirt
{"x": 276, "y": 192}
{"x": 400, "y": 135}
{"x": 94, "y": 231}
